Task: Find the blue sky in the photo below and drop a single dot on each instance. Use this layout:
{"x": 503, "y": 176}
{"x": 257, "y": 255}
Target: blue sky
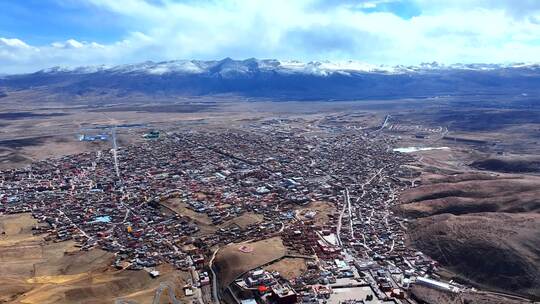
{"x": 36, "y": 34}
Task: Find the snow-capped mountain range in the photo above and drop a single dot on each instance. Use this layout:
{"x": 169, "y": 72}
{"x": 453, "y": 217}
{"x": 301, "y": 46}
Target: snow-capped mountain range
{"x": 284, "y": 80}
{"x": 229, "y": 66}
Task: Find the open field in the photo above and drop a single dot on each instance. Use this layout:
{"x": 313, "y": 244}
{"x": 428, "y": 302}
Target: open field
{"x": 288, "y": 268}
{"x": 202, "y": 219}
{"x": 231, "y": 262}
{"x": 17, "y": 228}
{"x": 322, "y": 211}
{"x": 244, "y": 220}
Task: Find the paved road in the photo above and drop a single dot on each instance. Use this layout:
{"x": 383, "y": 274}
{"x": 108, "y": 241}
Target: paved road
{"x": 170, "y": 291}
{"x": 128, "y": 208}
{"x": 115, "y": 153}
{"x": 215, "y": 293}
{"x": 362, "y": 187}
{"x": 348, "y": 200}
{"x": 76, "y": 226}
{"x": 385, "y": 122}
{"x": 340, "y": 219}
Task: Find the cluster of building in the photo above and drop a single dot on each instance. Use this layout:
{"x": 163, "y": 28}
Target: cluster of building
{"x": 266, "y": 286}
{"x": 269, "y": 170}
{"x": 99, "y": 137}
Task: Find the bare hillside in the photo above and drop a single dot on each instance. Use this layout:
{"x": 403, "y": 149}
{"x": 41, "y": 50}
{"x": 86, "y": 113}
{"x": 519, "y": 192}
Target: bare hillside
{"x": 472, "y": 193}
{"x": 493, "y": 249}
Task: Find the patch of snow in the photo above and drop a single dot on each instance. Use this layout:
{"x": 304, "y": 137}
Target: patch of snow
{"x": 418, "y": 149}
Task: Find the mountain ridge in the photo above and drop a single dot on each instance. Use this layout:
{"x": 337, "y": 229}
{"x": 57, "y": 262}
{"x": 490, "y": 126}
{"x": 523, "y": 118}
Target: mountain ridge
{"x": 285, "y": 80}
{"x": 321, "y": 68}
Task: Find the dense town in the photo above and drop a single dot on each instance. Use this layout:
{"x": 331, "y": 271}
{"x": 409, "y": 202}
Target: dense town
{"x": 117, "y": 200}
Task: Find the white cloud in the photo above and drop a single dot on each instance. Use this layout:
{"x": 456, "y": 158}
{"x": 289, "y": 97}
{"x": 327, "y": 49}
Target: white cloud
{"x": 462, "y": 31}
{"x": 68, "y": 44}
{"x": 74, "y": 44}
{"x": 513, "y": 8}
{"x": 13, "y": 43}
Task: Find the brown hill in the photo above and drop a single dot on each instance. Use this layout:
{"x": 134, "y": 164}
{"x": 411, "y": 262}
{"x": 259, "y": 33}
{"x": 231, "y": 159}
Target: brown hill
{"x": 433, "y": 296}
{"x": 484, "y": 227}
{"x": 512, "y": 164}
{"x": 498, "y": 250}
{"x": 472, "y": 193}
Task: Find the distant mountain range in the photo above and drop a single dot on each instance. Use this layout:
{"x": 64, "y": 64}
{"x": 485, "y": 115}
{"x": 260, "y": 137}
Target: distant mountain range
{"x": 346, "y": 80}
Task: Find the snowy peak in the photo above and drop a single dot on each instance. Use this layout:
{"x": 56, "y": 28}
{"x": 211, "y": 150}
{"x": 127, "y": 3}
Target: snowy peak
{"x": 287, "y": 80}
{"x": 230, "y": 68}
